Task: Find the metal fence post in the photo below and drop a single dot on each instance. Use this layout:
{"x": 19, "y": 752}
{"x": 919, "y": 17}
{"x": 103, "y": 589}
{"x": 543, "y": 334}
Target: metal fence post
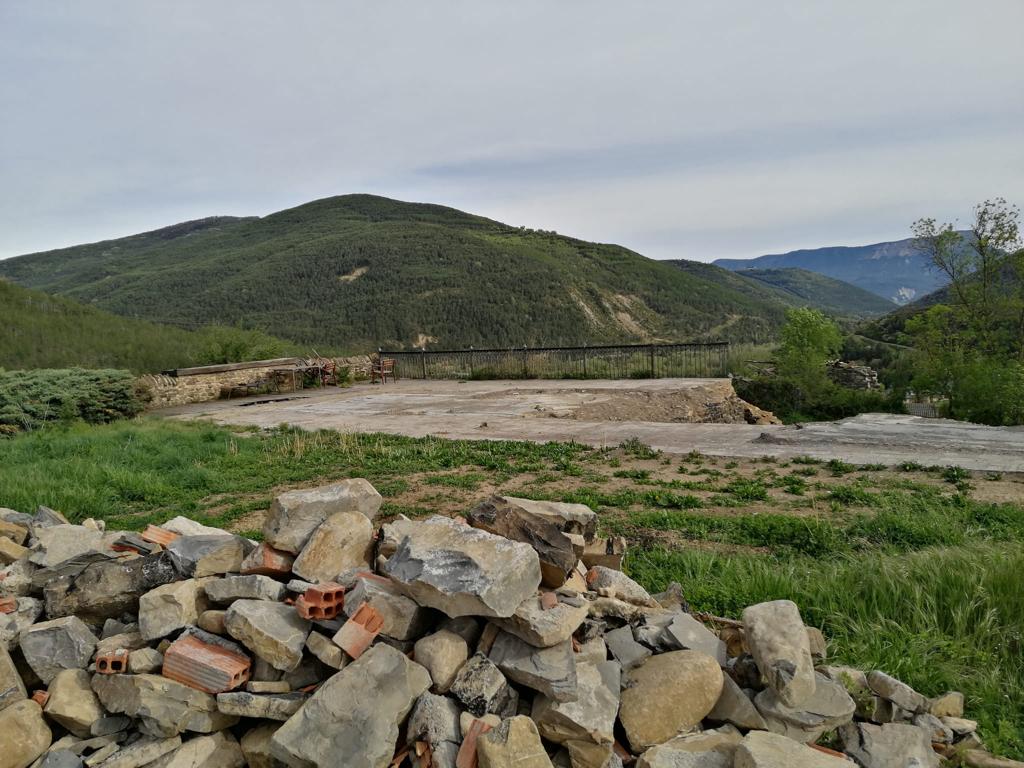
{"x": 650, "y": 351}
{"x": 423, "y": 362}
{"x": 584, "y": 361}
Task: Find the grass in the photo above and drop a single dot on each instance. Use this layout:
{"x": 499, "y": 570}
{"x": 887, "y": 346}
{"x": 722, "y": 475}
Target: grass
{"x": 903, "y": 571}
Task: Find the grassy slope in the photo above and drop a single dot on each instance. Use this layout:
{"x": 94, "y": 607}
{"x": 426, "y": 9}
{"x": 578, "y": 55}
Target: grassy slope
{"x": 360, "y": 270}
{"x": 42, "y": 331}
{"x": 904, "y": 571}
{"x": 827, "y": 293}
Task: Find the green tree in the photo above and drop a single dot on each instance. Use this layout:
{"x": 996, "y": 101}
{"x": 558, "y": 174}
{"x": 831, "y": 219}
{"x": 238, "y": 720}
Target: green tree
{"x": 222, "y": 344}
{"x": 809, "y": 340}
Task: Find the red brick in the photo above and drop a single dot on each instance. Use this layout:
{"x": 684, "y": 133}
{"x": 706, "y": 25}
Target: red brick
{"x": 8, "y": 604}
{"x": 321, "y": 601}
{"x": 112, "y": 662}
{"x": 205, "y": 666}
{"x": 267, "y": 561}
{"x": 466, "y": 758}
{"x": 40, "y": 697}
{"x": 157, "y": 535}
{"x": 359, "y": 631}
{"x": 548, "y": 600}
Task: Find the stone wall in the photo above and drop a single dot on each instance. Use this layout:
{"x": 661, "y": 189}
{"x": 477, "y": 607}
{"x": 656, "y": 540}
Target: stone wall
{"x": 200, "y": 385}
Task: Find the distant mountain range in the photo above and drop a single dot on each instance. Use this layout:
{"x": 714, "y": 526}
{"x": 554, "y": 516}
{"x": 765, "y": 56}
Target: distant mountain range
{"x": 895, "y": 270}
{"x": 358, "y": 271}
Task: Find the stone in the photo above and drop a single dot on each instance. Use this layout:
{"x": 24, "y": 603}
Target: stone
{"x": 777, "y": 639}
{"x": 606, "y": 552}
{"x": 884, "y": 746}
{"x": 324, "y": 649}
{"x": 938, "y": 732}
{"x": 24, "y": 735}
{"x": 707, "y": 749}
{"x": 443, "y": 654}
{"x": 355, "y": 713}
{"x": 50, "y": 646}
{"x": 587, "y": 754}
{"x": 340, "y": 543}
{"x": 268, "y": 706}
{"x": 735, "y": 708}
{"x": 959, "y": 725}
{"x": 264, "y": 560}
{"x": 108, "y": 587}
{"x": 947, "y": 705}
{"x": 170, "y": 607}
{"x": 12, "y": 688}
{"x": 142, "y": 753}
{"x": 761, "y": 749}
{"x": 185, "y": 526}
{"x": 543, "y": 627}
{"x": 481, "y": 687}
{"x": 11, "y": 551}
{"x": 899, "y": 693}
{"x": 593, "y": 651}
{"x": 554, "y": 549}
{"x": 570, "y": 518}
{"x": 218, "y": 750}
{"x": 27, "y": 610}
{"x": 57, "y": 543}
{"x": 691, "y": 680}
{"x": 72, "y": 702}
{"x": 434, "y": 719}
{"x": 16, "y": 579}
{"x": 212, "y": 620}
{"x": 591, "y": 717}
{"x": 403, "y": 618}
{"x": 686, "y": 633}
{"x": 817, "y": 643}
{"x": 268, "y": 686}
{"x": 272, "y": 631}
{"x": 977, "y": 758}
{"x": 13, "y": 531}
{"x": 463, "y": 571}
{"x": 256, "y": 746}
{"x": 294, "y": 515}
{"x": 129, "y": 640}
{"x": 551, "y": 670}
{"x": 109, "y": 724}
{"x": 515, "y": 743}
{"x": 829, "y": 707}
{"x": 164, "y": 707}
{"x": 59, "y": 758}
{"x": 608, "y": 582}
{"x": 207, "y": 554}
{"x": 252, "y": 587}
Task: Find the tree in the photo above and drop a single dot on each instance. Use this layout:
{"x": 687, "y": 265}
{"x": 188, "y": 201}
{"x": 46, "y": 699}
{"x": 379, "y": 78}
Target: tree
{"x": 809, "y": 340}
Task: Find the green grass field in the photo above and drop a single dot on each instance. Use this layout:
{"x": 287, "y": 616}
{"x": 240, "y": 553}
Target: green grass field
{"x": 915, "y": 571}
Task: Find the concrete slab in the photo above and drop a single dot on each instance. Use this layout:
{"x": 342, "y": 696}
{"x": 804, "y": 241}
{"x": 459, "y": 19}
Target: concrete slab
{"x": 544, "y": 411}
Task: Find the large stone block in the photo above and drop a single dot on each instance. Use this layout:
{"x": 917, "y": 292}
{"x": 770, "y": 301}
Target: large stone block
{"x": 342, "y": 542}
{"x": 761, "y": 749}
{"x": 273, "y": 631}
{"x": 777, "y": 639}
{"x": 72, "y": 702}
{"x": 551, "y": 671}
{"x": 170, "y": 607}
{"x": 164, "y": 707}
{"x": 591, "y": 717}
{"x": 24, "y": 735}
{"x": 51, "y": 646}
{"x": 294, "y": 515}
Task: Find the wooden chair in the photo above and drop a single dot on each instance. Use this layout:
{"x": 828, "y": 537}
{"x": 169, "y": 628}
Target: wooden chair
{"x": 381, "y": 369}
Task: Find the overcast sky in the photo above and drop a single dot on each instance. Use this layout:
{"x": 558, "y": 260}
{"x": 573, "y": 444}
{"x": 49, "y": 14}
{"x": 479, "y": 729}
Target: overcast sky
{"x": 682, "y": 129}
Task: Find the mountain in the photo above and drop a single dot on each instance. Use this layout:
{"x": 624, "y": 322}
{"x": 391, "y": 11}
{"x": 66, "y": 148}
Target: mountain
{"x": 818, "y": 290}
{"x": 42, "y": 331}
{"x": 359, "y": 271}
{"x": 895, "y": 270}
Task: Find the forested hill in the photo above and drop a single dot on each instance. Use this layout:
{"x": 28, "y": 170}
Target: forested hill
{"x": 358, "y": 271}
{"x": 827, "y": 293}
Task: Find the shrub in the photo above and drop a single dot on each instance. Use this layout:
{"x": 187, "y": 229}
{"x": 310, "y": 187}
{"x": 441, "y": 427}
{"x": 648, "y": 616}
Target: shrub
{"x": 31, "y": 399}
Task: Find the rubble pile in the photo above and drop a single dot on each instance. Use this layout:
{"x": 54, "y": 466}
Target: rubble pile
{"x": 508, "y": 639}
{"x": 852, "y": 376}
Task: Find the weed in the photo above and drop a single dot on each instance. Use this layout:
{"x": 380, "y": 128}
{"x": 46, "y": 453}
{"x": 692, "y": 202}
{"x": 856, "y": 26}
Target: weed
{"x": 838, "y": 467}
{"x": 634, "y": 474}
{"x": 638, "y": 449}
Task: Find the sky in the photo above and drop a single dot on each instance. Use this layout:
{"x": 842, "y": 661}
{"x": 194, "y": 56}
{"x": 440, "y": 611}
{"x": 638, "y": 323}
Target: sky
{"x": 678, "y": 128}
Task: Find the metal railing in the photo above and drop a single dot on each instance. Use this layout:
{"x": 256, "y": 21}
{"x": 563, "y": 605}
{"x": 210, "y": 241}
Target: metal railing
{"x": 623, "y": 361}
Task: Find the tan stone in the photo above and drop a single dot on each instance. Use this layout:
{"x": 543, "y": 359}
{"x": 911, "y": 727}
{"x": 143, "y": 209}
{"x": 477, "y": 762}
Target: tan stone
{"x": 72, "y": 702}
{"x": 13, "y": 531}
{"x": 342, "y": 542}
{"x": 513, "y": 744}
{"x": 10, "y": 551}
{"x": 170, "y": 607}
{"x": 24, "y": 735}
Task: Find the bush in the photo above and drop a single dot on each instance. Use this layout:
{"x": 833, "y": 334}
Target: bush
{"x": 790, "y": 402}
{"x": 31, "y": 399}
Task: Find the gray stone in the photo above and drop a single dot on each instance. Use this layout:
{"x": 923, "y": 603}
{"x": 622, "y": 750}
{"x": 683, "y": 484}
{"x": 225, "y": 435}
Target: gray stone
{"x": 109, "y": 724}
{"x": 294, "y": 515}
{"x": 268, "y": 706}
{"x": 463, "y": 571}
{"x": 938, "y": 732}
{"x": 513, "y": 744}
{"x": 129, "y": 641}
{"x": 51, "y": 646}
{"x": 16, "y": 579}
{"x": 212, "y": 620}
{"x": 12, "y": 688}
{"x": 626, "y": 650}
{"x": 570, "y": 518}
{"x": 690, "y": 680}
{"x": 403, "y": 618}
{"x": 885, "y": 746}
{"x": 735, "y": 708}
{"x": 57, "y": 543}
{"x": 593, "y": 651}
{"x": 434, "y": 719}
{"x": 72, "y": 702}
{"x": 256, "y": 747}
{"x": 686, "y": 633}
{"x": 540, "y": 627}
{"x": 607, "y": 552}
{"x": 551, "y": 670}
{"x": 170, "y": 607}
{"x": 707, "y": 749}
{"x": 899, "y": 693}
{"x": 273, "y": 631}
{"x": 185, "y": 526}
{"x": 326, "y": 650}
{"x": 13, "y": 624}
{"x": 59, "y": 758}
{"x": 142, "y": 753}
{"x": 959, "y": 725}
{"x": 340, "y": 543}
{"x": 829, "y": 707}
{"x": 207, "y": 554}
{"x": 252, "y": 587}
{"x": 218, "y": 750}
{"x": 777, "y": 639}
{"x": 587, "y": 754}
{"x": 24, "y": 735}
{"x": 163, "y": 707}
{"x": 443, "y": 654}
{"x": 609, "y": 582}
{"x": 761, "y": 749}
{"x": 355, "y": 714}
{"x": 481, "y": 687}
{"x": 591, "y": 717}
{"x": 143, "y": 660}
{"x": 106, "y": 588}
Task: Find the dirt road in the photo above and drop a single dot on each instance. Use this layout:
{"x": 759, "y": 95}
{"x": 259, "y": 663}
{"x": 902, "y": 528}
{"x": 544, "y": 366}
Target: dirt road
{"x": 550, "y": 410}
